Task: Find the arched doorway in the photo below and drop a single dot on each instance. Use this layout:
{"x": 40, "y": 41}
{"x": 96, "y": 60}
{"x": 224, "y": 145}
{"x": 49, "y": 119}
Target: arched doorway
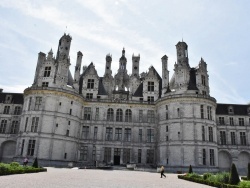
{"x": 243, "y": 160}
{"x": 8, "y": 150}
{"x": 225, "y": 161}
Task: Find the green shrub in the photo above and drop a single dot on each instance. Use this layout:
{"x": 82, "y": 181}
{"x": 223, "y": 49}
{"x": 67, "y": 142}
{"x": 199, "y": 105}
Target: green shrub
{"x": 222, "y": 177}
{"x": 190, "y": 170}
{"x": 35, "y": 164}
{"x": 14, "y": 165}
{"x": 194, "y": 175}
{"x": 207, "y": 175}
{"x": 244, "y": 184}
{"x": 234, "y": 176}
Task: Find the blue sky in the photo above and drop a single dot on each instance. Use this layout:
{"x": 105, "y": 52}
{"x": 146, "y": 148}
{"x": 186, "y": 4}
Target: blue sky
{"x": 217, "y": 31}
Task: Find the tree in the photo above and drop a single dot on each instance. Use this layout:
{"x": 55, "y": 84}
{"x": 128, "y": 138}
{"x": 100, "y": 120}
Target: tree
{"x": 248, "y": 171}
{"x": 35, "y": 163}
{"x": 234, "y": 176}
{"x": 190, "y": 170}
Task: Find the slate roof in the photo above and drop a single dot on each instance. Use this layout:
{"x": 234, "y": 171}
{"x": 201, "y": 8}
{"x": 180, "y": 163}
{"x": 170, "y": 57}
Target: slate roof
{"x": 238, "y": 109}
{"x": 70, "y": 79}
{"x": 138, "y": 92}
{"x": 192, "y": 80}
{"x": 101, "y": 89}
{"x": 17, "y": 98}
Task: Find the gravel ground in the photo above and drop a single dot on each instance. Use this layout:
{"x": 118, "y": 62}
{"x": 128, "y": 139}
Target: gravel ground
{"x": 62, "y": 178}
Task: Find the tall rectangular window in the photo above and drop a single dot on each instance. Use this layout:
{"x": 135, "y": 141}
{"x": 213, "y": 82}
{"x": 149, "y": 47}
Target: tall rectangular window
{"x": 151, "y": 86}
{"x": 150, "y": 156}
{"x": 128, "y": 115}
{"x": 233, "y": 138}
{"x": 151, "y": 116}
{"x": 47, "y": 71}
{"x": 231, "y": 121}
{"x": 119, "y": 115}
{"x": 127, "y": 135}
{"x": 84, "y": 153}
{"x": 85, "y": 132}
{"x": 203, "y": 80}
{"x": 22, "y": 147}
{"x": 203, "y": 133}
{"x": 31, "y": 147}
{"x": 202, "y": 111}
{"x": 26, "y": 124}
{"x": 126, "y": 155}
{"x": 29, "y": 105}
{"x": 97, "y": 114}
{"x": 166, "y": 128}
{"x": 3, "y": 126}
{"x": 211, "y": 153}
{"x": 223, "y": 140}
{"x": 34, "y": 125}
{"x": 70, "y": 111}
{"x": 118, "y": 134}
{"x": 38, "y": 103}
{"x": 210, "y": 134}
{"x": 14, "y": 127}
{"x": 90, "y": 84}
{"x": 107, "y": 155}
{"x": 109, "y": 133}
{"x": 204, "y": 156}
{"x": 243, "y": 141}
{"x": 140, "y": 115}
{"x": 209, "y": 112}
{"x": 94, "y": 154}
{"x": 17, "y": 110}
{"x": 221, "y": 121}
{"x": 139, "y": 155}
{"x": 87, "y": 113}
{"x": 150, "y": 135}
{"x": 6, "y": 110}
{"x": 166, "y": 112}
{"x": 241, "y": 121}
{"x": 140, "y": 135}
{"x": 95, "y": 133}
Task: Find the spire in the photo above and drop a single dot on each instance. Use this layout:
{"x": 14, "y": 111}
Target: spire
{"x": 51, "y": 51}
{"x": 123, "y": 52}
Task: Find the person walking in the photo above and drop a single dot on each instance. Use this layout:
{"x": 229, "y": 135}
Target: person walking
{"x": 162, "y": 172}
{"x": 25, "y": 161}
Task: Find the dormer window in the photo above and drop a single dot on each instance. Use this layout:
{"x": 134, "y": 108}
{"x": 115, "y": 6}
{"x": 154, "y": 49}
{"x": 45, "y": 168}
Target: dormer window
{"x": 47, "y": 71}
{"x": 90, "y": 84}
{"x": 230, "y": 110}
{"x": 150, "y": 86}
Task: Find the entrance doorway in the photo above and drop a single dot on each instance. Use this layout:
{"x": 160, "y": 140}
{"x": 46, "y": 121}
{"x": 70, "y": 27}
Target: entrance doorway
{"x": 117, "y": 156}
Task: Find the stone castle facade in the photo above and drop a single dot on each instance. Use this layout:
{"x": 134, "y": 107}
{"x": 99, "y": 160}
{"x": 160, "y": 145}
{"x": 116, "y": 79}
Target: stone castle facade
{"x": 143, "y": 118}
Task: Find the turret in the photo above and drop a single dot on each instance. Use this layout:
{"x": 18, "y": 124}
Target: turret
{"x": 135, "y": 66}
{"x": 182, "y": 52}
{"x": 78, "y": 67}
{"x": 50, "y": 55}
{"x": 165, "y": 74}
{"x": 108, "y": 71}
{"x": 123, "y": 62}
{"x": 64, "y": 47}
{"x": 41, "y": 59}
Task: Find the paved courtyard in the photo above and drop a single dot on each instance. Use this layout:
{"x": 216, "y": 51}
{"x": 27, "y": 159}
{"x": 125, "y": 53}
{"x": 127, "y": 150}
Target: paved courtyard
{"x": 62, "y": 178}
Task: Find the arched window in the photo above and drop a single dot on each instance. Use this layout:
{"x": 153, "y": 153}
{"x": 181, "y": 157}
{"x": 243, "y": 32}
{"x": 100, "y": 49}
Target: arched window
{"x": 119, "y": 115}
{"x": 110, "y": 115}
{"x": 128, "y": 115}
